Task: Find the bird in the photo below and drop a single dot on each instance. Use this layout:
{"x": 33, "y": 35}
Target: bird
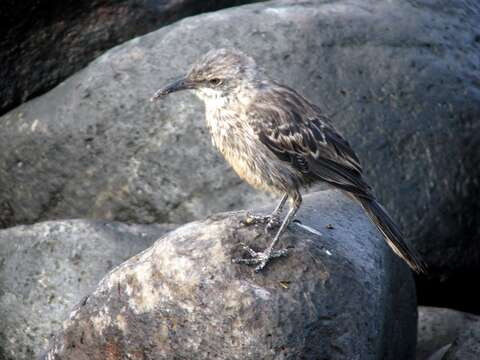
{"x": 279, "y": 142}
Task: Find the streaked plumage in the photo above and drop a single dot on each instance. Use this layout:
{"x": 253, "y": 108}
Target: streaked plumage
{"x": 279, "y": 142}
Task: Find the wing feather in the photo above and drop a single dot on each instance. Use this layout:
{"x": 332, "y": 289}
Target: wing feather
{"x": 296, "y": 132}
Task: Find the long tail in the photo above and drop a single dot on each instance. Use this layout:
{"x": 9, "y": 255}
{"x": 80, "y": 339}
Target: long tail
{"x": 392, "y": 234}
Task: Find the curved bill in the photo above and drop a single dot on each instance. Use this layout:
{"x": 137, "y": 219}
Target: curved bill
{"x": 178, "y": 85}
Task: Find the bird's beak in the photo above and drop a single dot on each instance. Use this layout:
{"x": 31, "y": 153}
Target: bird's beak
{"x": 180, "y": 84}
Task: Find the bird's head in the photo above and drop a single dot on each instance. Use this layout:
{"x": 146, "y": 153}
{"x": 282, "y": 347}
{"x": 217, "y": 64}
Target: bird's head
{"x": 217, "y": 74}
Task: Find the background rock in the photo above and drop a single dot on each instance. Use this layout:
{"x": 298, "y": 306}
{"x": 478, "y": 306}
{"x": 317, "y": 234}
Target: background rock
{"x": 439, "y": 354}
{"x": 438, "y": 327}
{"x": 340, "y": 296}
{"x": 466, "y": 346}
{"x": 47, "y": 268}
{"x": 399, "y": 78}
{"x": 44, "y": 41}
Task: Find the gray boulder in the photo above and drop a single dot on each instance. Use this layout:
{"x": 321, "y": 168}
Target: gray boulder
{"x": 342, "y": 295}
{"x": 439, "y": 354}
{"x": 438, "y": 328}
{"x": 47, "y": 268}
{"x": 399, "y": 79}
{"x": 45, "y": 41}
{"x": 466, "y": 346}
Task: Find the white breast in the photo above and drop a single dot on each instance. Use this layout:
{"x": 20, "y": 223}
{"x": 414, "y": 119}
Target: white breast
{"x": 233, "y": 136}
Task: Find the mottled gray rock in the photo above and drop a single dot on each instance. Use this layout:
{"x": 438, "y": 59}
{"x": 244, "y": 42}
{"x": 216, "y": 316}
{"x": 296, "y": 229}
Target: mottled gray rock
{"x": 399, "y": 78}
{"x": 340, "y": 296}
{"x": 466, "y": 346}
{"x": 47, "y": 268}
{"x": 45, "y": 41}
{"x": 438, "y": 355}
{"x": 438, "y": 327}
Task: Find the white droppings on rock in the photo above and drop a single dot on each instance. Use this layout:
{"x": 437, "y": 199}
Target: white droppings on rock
{"x": 121, "y": 323}
{"x": 143, "y": 296}
{"x": 308, "y": 228}
{"x": 261, "y": 293}
{"x": 22, "y": 127}
{"x": 101, "y": 321}
{"x": 34, "y": 125}
{"x": 247, "y": 287}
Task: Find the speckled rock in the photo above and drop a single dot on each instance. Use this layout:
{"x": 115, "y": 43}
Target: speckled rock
{"x": 438, "y": 327}
{"x": 399, "y": 78}
{"x": 45, "y": 41}
{"x": 342, "y": 295}
{"x": 47, "y": 268}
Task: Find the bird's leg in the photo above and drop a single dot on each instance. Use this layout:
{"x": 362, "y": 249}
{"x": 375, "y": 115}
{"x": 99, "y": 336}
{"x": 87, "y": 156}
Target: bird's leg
{"x": 261, "y": 258}
{"x": 272, "y": 220}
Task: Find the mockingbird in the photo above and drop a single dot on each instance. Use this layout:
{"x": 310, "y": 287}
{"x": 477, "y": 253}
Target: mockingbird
{"x": 279, "y": 142}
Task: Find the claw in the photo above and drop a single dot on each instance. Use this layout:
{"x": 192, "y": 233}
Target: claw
{"x": 273, "y": 223}
{"x": 260, "y": 258}
{"x": 251, "y": 219}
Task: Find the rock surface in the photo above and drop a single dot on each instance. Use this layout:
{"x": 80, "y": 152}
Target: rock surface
{"x": 343, "y": 295}
{"x": 466, "y": 346}
{"x": 45, "y": 41}
{"x": 399, "y": 78}
{"x": 47, "y": 268}
{"x": 438, "y": 327}
{"x": 439, "y": 354}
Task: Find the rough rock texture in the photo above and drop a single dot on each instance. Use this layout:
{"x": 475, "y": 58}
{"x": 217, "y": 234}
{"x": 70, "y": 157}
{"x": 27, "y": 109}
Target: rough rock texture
{"x": 438, "y": 327}
{"x": 47, "y": 268}
{"x": 438, "y": 355}
{"x": 340, "y": 296}
{"x": 466, "y": 346}
{"x": 399, "y": 78}
{"x": 44, "y": 41}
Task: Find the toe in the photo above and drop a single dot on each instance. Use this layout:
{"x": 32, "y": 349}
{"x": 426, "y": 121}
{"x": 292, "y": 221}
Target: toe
{"x": 279, "y": 253}
{"x": 273, "y": 223}
{"x": 260, "y": 259}
{"x": 250, "y": 251}
{"x": 252, "y": 261}
{"x": 251, "y": 219}
{"x": 262, "y": 264}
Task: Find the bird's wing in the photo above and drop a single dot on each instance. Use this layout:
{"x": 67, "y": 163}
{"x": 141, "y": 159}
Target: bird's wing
{"x": 296, "y": 132}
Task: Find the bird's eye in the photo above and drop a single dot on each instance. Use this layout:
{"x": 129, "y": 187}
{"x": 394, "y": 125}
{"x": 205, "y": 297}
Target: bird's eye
{"x": 215, "y": 81}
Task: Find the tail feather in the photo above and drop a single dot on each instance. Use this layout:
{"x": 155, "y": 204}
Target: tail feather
{"x": 392, "y": 234}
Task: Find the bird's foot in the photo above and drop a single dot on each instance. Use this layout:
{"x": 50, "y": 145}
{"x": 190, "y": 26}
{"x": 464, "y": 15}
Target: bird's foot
{"x": 271, "y": 221}
{"x": 251, "y": 219}
{"x": 260, "y": 258}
